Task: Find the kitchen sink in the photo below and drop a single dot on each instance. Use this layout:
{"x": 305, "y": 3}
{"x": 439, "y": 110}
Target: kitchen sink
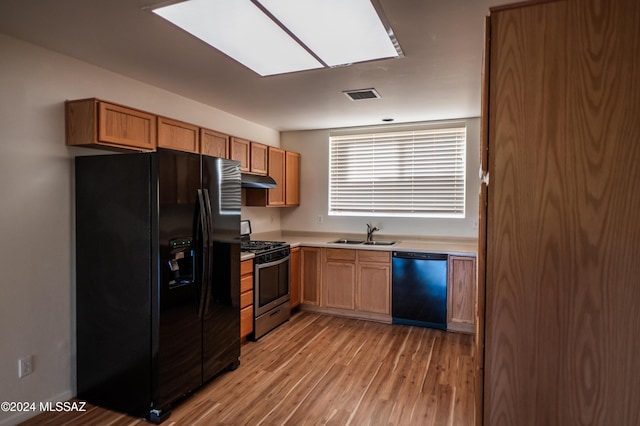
{"x": 379, "y": 243}
{"x": 346, "y": 241}
{"x": 368, "y": 243}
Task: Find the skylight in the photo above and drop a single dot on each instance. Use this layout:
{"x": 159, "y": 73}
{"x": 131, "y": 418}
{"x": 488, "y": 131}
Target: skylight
{"x": 280, "y": 36}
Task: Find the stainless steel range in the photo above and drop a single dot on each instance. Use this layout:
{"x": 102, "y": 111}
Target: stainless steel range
{"x": 270, "y": 282}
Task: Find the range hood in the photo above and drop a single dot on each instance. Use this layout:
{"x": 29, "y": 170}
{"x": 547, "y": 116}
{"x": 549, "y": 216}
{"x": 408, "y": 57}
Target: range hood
{"x": 255, "y": 181}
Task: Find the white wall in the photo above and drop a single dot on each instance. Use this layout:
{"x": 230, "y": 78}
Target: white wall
{"x": 36, "y": 205}
{"x": 314, "y": 149}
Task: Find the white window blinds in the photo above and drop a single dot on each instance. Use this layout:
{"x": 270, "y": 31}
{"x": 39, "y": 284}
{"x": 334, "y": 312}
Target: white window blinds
{"x": 414, "y": 173}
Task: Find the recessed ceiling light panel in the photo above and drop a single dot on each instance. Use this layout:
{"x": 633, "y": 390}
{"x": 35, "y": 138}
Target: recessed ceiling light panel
{"x": 239, "y": 29}
{"x": 279, "y": 36}
{"x": 339, "y": 32}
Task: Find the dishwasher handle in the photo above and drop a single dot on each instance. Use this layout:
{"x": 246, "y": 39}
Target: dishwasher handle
{"x": 419, "y": 255}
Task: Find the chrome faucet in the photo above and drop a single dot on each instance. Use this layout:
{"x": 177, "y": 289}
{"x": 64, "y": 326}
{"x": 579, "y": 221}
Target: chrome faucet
{"x": 370, "y": 232}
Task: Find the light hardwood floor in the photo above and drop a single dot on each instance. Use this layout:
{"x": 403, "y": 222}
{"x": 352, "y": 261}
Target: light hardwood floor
{"x": 318, "y": 369}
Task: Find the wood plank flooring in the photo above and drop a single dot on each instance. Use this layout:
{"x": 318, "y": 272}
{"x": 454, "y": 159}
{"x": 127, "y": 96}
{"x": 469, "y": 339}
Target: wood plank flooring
{"x": 319, "y": 369}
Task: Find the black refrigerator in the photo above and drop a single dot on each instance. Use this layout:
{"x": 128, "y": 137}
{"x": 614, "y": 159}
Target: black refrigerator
{"x": 157, "y": 277}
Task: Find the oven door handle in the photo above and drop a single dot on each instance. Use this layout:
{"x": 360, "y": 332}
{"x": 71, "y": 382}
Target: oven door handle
{"x": 274, "y": 263}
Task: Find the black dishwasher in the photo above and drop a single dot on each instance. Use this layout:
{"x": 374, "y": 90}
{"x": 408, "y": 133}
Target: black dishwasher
{"x": 419, "y": 289}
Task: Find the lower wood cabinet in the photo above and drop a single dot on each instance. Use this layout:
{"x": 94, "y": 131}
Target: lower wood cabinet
{"x": 373, "y": 292}
{"x": 461, "y": 294}
{"x": 311, "y": 264}
{"x": 246, "y": 298}
{"x": 339, "y": 279}
{"x": 294, "y": 277}
{"x": 355, "y": 283}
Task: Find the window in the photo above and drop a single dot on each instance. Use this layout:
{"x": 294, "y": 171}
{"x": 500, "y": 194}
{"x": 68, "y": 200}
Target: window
{"x": 406, "y": 173}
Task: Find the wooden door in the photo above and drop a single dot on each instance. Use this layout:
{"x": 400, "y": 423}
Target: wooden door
{"x": 562, "y": 281}
{"x": 478, "y": 355}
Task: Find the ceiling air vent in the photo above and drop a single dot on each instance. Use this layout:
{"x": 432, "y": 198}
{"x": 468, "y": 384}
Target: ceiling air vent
{"x": 359, "y": 95}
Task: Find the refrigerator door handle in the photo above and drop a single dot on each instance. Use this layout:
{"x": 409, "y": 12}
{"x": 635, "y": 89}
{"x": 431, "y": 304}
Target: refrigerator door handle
{"x": 204, "y": 256}
{"x": 208, "y": 295}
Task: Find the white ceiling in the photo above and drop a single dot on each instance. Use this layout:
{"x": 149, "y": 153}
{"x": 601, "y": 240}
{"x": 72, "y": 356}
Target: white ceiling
{"x": 439, "y": 77}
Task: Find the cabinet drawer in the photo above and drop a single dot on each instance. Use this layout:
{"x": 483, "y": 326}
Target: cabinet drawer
{"x": 246, "y": 321}
{"x": 246, "y": 267}
{"x": 246, "y": 283}
{"x": 374, "y": 256}
{"x": 340, "y": 254}
{"x": 246, "y": 299}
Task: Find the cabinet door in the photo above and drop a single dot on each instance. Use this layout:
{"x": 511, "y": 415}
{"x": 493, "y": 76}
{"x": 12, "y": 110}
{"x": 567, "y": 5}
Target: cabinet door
{"x": 258, "y": 163}
{"x": 275, "y": 196}
{"x": 214, "y": 144}
{"x": 292, "y": 179}
{"x": 94, "y": 123}
{"x": 311, "y": 260}
{"x": 240, "y": 151}
{"x": 294, "y": 277}
{"x": 374, "y": 288}
{"x": 461, "y": 297}
{"x": 339, "y": 279}
{"x": 339, "y": 285}
{"x": 178, "y": 135}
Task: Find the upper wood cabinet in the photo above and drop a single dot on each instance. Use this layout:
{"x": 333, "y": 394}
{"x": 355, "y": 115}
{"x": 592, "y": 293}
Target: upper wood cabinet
{"x": 275, "y": 196}
{"x": 240, "y": 150}
{"x": 99, "y": 124}
{"x": 178, "y": 135}
{"x": 292, "y": 179}
{"x": 461, "y": 294}
{"x": 214, "y": 143}
{"x": 259, "y": 159}
{"x": 284, "y": 168}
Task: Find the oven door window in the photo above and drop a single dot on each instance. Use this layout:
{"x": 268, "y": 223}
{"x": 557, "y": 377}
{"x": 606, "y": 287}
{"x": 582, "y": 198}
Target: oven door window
{"x": 273, "y": 281}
